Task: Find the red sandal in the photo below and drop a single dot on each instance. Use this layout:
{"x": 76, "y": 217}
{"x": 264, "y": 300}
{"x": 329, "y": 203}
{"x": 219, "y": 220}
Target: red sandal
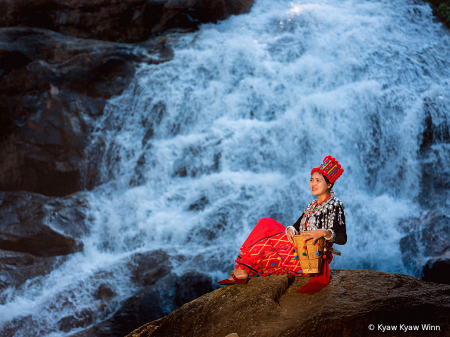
{"x": 234, "y": 281}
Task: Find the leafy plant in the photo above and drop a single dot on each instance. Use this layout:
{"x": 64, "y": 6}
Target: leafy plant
{"x": 444, "y": 12}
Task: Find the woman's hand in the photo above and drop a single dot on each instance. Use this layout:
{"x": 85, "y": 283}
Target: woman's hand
{"x": 290, "y": 232}
{"x": 316, "y": 234}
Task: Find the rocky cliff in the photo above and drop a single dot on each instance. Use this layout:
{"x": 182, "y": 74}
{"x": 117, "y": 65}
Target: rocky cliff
{"x": 55, "y": 76}
{"x": 60, "y": 61}
{"x": 355, "y": 303}
{"x": 113, "y": 20}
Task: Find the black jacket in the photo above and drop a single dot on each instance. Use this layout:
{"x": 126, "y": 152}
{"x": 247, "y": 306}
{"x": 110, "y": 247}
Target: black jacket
{"x": 331, "y": 217}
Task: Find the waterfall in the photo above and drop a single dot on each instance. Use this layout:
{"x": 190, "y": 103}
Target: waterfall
{"x": 199, "y": 148}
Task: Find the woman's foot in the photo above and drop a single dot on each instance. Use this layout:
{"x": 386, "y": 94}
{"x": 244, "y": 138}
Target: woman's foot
{"x": 236, "y": 276}
{"x": 239, "y": 273}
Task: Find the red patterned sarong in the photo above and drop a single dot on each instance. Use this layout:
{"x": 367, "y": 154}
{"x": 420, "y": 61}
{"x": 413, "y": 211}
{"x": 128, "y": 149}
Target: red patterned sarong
{"x": 267, "y": 251}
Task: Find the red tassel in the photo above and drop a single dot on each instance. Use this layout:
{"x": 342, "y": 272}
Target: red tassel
{"x": 320, "y": 280}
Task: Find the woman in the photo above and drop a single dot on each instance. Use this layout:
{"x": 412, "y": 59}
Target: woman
{"x": 269, "y": 249}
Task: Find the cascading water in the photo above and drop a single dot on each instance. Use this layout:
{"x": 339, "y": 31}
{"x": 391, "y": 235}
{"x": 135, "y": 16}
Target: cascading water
{"x": 199, "y": 148}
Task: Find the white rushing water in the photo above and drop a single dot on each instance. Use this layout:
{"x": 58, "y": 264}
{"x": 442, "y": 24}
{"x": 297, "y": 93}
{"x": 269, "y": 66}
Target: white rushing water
{"x": 234, "y": 124}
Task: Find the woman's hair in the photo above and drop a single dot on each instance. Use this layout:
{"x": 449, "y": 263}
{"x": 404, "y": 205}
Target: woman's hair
{"x": 328, "y": 182}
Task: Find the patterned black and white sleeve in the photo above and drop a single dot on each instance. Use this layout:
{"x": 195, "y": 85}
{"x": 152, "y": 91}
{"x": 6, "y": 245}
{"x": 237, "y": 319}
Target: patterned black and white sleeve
{"x": 339, "y": 227}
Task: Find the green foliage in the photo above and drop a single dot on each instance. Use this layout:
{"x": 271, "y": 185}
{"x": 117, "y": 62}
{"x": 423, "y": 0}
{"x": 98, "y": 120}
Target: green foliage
{"x": 443, "y": 9}
{"x": 444, "y": 12}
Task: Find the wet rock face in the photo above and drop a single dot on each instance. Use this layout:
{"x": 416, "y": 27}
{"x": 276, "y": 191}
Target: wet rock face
{"x": 53, "y": 87}
{"x": 434, "y": 154}
{"x": 56, "y": 78}
{"x": 126, "y": 21}
{"x": 156, "y": 297}
{"x": 270, "y": 306}
{"x": 154, "y": 302}
{"x": 37, "y": 233}
{"x": 425, "y": 247}
{"x": 149, "y": 267}
{"x": 41, "y": 226}
{"x": 16, "y": 268}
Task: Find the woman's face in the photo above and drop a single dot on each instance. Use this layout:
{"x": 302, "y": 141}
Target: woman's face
{"x": 318, "y": 185}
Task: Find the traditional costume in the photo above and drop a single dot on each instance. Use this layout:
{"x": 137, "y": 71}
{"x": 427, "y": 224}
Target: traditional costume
{"x": 267, "y": 249}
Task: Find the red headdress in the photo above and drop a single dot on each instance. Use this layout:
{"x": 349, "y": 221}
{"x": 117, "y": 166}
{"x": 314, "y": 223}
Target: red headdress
{"x": 330, "y": 168}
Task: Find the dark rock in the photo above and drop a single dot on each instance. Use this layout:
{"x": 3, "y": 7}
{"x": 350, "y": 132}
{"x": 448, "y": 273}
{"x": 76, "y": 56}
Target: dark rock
{"x": 12, "y": 60}
{"x": 436, "y": 124}
{"x": 48, "y": 98}
{"x": 11, "y": 330}
{"x": 36, "y": 235}
{"x": 270, "y": 306}
{"x": 426, "y": 237}
{"x": 16, "y": 268}
{"x": 190, "y": 286}
{"x": 159, "y": 293}
{"x": 104, "y": 302}
{"x": 52, "y": 85}
{"x": 84, "y": 318}
{"x": 154, "y": 302}
{"x": 437, "y": 270}
{"x": 149, "y": 267}
{"x": 104, "y": 293}
{"x": 135, "y": 311}
{"x": 41, "y": 226}
{"x": 193, "y": 164}
{"x": 125, "y": 21}
{"x": 434, "y": 153}
{"x": 199, "y": 205}
{"x": 189, "y": 13}
{"x": 42, "y": 241}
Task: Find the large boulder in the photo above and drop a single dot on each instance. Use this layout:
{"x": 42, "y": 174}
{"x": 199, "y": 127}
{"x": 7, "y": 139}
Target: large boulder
{"x": 113, "y": 20}
{"x": 349, "y": 306}
{"x": 52, "y": 87}
{"x": 425, "y": 246}
{"x": 437, "y": 270}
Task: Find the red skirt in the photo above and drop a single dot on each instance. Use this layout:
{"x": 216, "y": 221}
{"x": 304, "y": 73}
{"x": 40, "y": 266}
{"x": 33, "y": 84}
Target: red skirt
{"x": 268, "y": 251}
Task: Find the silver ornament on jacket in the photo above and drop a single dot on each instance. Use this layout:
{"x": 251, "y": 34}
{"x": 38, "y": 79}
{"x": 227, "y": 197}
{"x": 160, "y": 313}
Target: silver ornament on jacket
{"x": 312, "y": 220}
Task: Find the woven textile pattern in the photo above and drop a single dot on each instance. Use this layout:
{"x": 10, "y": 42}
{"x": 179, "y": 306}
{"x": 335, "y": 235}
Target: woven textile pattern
{"x": 267, "y": 251}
